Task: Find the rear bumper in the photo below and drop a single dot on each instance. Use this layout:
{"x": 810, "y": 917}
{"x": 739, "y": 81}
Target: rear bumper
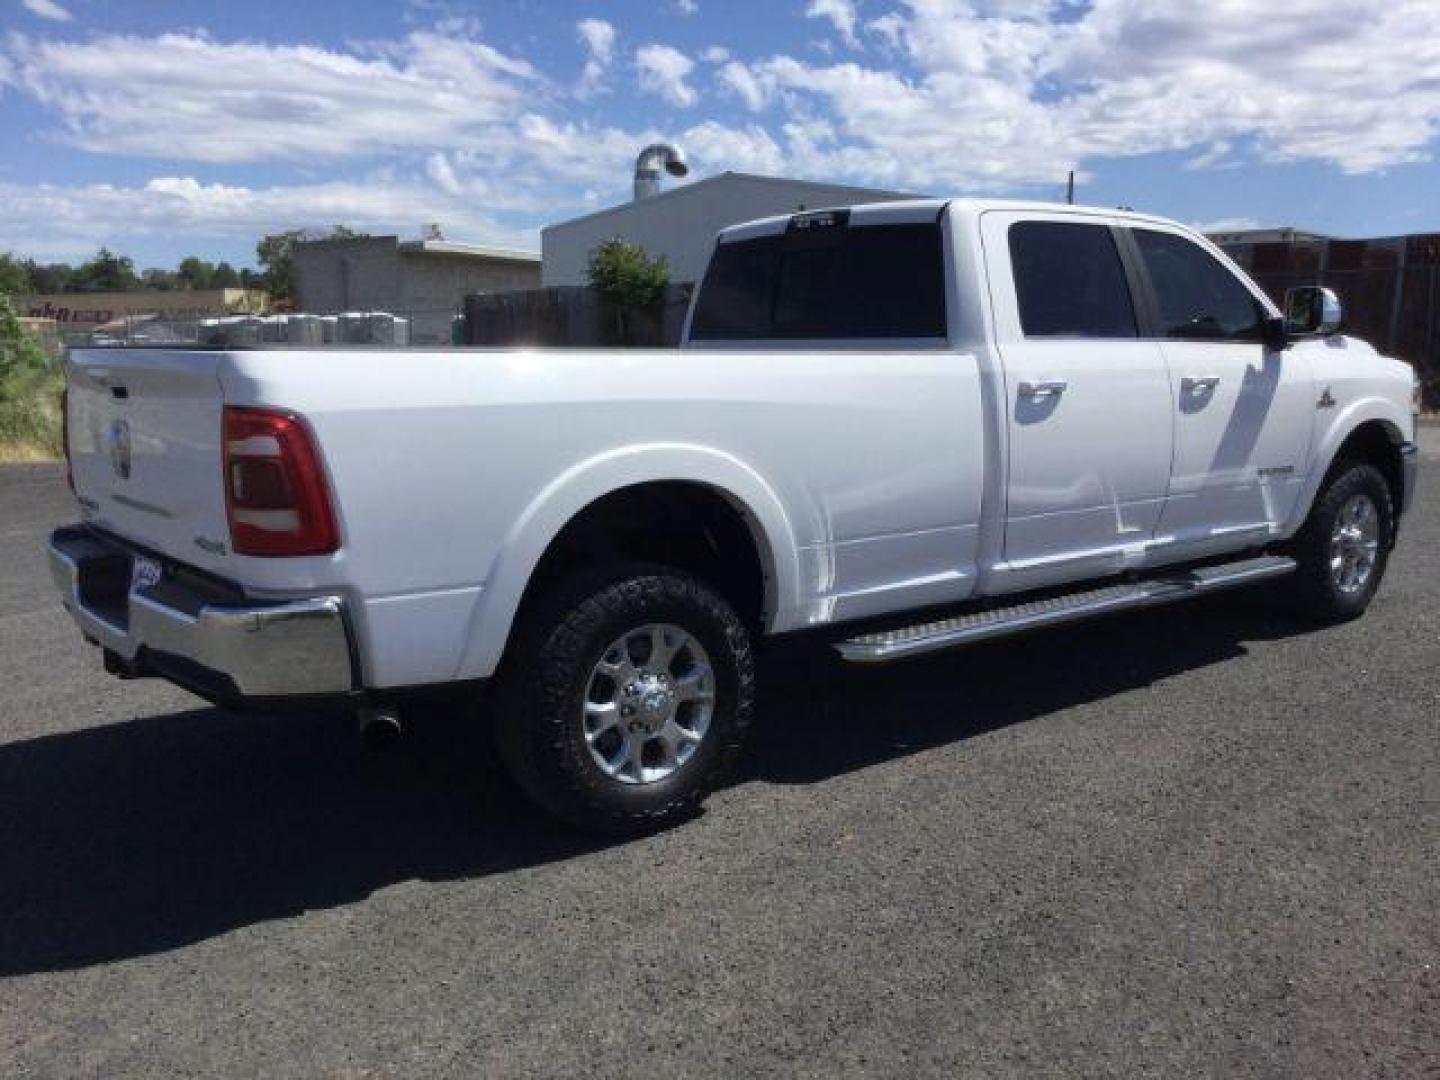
{"x": 202, "y": 636}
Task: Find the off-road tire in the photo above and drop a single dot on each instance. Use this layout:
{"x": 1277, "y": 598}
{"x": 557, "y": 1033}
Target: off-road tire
{"x": 1313, "y": 588}
{"x": 543, "y": 681}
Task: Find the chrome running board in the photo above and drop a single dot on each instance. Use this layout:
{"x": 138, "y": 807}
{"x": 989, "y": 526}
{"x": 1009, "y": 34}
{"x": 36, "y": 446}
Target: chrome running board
{"x": 907, "y": 641}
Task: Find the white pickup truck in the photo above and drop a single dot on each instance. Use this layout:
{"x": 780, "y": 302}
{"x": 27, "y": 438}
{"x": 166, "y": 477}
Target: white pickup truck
{"x": 899, "y": 428}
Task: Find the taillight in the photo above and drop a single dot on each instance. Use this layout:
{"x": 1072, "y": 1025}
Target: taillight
{"x": 65, "y": 436}
{"x": 275, "y": 492}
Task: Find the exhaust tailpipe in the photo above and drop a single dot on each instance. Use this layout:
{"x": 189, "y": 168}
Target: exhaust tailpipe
{"x": 380, "y": 726}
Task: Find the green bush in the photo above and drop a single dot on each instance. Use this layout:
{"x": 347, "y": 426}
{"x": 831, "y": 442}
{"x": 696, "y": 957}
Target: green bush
{"x": 626, "y": 276}
{"x": 30, "y": 421}
{"x": 632, "y": 289}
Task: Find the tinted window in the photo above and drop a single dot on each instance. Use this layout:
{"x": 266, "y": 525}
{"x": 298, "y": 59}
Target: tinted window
{"x": 1069, "y": 281}
{"x": 1198, "y": 296}
{"x": 738, "y": 290}
{"x": 865, "y": 281}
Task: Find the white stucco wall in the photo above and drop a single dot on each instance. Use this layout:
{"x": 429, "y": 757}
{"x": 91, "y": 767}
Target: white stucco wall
{"x": 681, "y": 223}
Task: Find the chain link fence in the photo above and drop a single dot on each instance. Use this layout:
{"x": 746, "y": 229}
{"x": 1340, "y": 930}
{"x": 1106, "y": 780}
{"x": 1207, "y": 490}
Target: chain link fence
{"x": 401, "y": 327}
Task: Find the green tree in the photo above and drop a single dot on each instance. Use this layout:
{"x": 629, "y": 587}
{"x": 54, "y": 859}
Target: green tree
{"x": 54, "y": 278}
{"x": 224, "y": 277}
{"x": 631, "y": 282}
{"x": 624, "y": 274}
{"x": 159, "y": 279}
{"x": 195, "y": 273}
{"x": 14, "y": 276}
{"x": 276, "y": 251}
{"x": 106, "y": 272}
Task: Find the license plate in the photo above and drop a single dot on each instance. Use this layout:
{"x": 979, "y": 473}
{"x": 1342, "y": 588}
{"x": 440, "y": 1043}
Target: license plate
{"x": 145, "y": 573}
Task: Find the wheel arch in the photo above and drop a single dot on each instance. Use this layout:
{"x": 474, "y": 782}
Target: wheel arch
{"x": 1370, "y": 430}
{"x": 708, "y": 476}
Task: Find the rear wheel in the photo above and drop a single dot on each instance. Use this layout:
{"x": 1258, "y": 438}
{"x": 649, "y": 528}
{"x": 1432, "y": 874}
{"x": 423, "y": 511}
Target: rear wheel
{"x": 1343, "y": 547}
{"x": 627, "y": 698}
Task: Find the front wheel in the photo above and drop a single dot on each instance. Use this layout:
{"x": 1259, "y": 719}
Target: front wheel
{"x": 627, "y": 698}
{"x": 1343, "y": 547}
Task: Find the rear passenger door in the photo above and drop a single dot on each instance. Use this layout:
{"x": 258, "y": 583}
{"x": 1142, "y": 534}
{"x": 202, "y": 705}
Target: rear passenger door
{"x": 1243, "y": 412}
{"x": 1088, "y": 401}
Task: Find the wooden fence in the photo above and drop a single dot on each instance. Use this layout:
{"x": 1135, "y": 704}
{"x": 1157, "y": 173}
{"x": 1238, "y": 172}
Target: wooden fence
{"x": 575, "y": 316}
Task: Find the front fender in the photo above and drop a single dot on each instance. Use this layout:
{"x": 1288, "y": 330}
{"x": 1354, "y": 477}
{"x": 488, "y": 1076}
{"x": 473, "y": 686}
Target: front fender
{"x": 573, "y": 490}
{"x": 1342, "y": 425}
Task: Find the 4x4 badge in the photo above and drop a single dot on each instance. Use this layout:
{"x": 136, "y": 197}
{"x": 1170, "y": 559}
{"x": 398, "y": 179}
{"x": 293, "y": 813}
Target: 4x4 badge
{"x": 1326, "y": 401}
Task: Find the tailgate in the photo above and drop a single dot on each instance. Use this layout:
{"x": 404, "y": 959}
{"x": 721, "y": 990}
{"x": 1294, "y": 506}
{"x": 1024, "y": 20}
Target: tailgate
{"x": 145, "y": 434}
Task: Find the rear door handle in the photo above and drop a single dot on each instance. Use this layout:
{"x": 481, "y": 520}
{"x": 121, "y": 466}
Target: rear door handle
{"x": 1049, "y": 388}
{"x": 1199, "y": 384}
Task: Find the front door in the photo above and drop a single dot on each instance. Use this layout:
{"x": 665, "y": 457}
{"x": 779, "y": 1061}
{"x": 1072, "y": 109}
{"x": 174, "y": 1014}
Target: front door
{"x": 1088, "y": 400}
{"x": 1243, "y": 412}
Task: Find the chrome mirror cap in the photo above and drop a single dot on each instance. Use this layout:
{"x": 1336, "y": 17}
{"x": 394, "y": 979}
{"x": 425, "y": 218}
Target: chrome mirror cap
{"x": 1313, "y": 311}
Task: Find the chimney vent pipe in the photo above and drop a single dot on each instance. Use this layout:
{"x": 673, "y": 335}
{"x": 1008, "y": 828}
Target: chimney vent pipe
{"x": 650, "y": 161}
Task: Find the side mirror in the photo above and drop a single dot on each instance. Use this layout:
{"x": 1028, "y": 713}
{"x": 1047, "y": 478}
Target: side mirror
{"x": 1312, "y": 311}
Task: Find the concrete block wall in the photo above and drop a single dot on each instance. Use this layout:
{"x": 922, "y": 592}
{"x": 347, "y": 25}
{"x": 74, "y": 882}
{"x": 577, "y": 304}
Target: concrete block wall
{"x": 377, "y": 273}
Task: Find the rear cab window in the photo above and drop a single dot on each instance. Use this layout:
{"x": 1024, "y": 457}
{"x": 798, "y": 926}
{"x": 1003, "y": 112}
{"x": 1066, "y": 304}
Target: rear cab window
{"x": 825, "y": 278}
{"x": 1070, "y": 281}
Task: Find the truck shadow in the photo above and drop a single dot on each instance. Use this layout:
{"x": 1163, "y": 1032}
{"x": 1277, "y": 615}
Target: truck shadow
{"x": 825, "y": 718}
{"x": 134, "y": 838}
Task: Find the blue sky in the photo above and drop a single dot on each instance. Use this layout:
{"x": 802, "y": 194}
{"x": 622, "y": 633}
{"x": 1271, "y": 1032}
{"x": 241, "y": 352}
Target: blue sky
{"x": 171, "y": 128}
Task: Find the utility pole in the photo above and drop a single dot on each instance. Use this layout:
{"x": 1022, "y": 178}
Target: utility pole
{"x": 1070, "y": 189}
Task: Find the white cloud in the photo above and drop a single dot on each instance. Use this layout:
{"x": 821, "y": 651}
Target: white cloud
{"x": 990, "y": 93}
{"x": 713, "y": 147}
{"x": 1218, "y": 155}
{"x": 663, "y": 71}
{"x": 840, "y": 13}
{"x": 740, "y": 80}
{"x": 890, "y": 28}
{"x": 687, "y": 7}
{"x": 47, "y": 9}
{"x": 245, "y": 101}
{"x": 441, "y": 171}
{"x": 599, "y": 38}
{"x": 1003, "y": 95}
{"x": 63, "y": 221}
{"x": 963, "y": 95}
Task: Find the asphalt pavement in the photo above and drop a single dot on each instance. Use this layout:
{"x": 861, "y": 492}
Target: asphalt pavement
{"x": 1200, "y": 841}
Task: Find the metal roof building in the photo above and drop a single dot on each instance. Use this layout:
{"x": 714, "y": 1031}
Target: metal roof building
{"x": 681, "y": 223}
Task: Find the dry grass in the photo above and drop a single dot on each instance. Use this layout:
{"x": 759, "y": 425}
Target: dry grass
{"x": 20, "y": 452}
{"x": 30, "y": 423}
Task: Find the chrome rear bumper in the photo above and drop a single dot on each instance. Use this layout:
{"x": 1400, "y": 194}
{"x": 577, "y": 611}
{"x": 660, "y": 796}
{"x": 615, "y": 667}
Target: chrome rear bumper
{"x": 219, "y": 645}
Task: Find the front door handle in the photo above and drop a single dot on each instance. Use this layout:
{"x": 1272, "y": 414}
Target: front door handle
{"x": 1049, "y": 388}
{"x": 1199, "y": 384}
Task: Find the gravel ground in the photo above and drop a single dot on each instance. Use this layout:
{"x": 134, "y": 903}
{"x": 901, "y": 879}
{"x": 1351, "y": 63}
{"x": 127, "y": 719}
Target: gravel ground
{"x": 1202, "y": 841}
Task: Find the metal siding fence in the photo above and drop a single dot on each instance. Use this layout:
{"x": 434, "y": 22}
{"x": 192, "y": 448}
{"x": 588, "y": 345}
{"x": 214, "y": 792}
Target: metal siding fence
{"x": 1390, "y": 288}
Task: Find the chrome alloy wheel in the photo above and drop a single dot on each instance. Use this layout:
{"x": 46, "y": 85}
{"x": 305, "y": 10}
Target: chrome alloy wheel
{"x": 648, "y": 703}
{"x": 1354, "y": 544}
